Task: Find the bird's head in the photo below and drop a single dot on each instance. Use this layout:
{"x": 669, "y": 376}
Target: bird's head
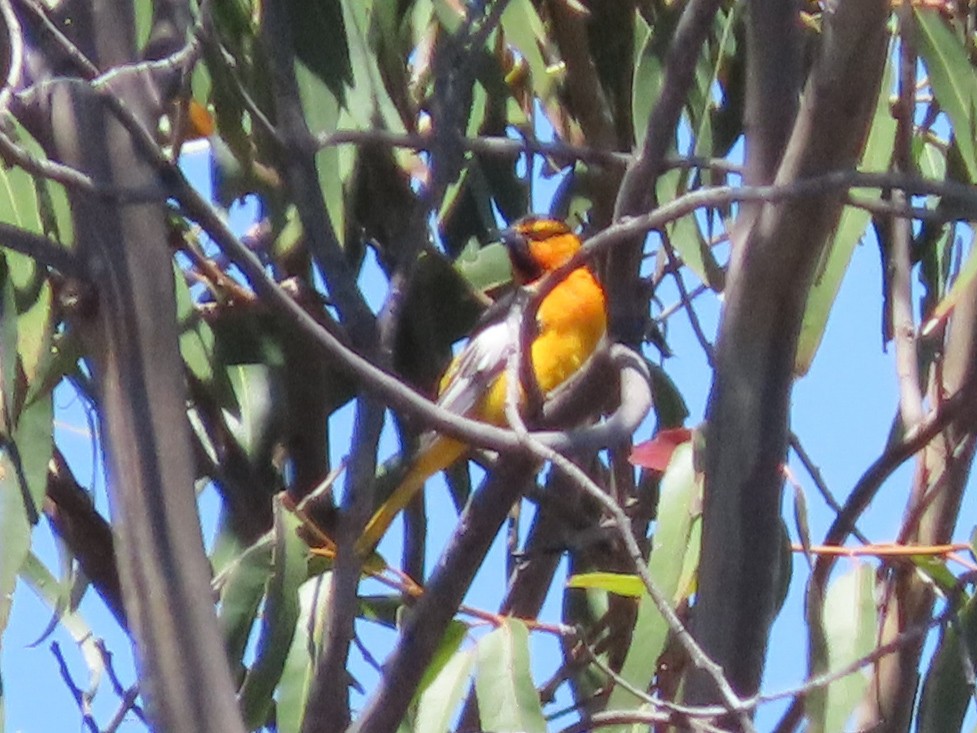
{"x": 538, "y": 245}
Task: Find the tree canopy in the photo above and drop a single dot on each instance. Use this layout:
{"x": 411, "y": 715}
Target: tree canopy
{"x": 735, "y": 152}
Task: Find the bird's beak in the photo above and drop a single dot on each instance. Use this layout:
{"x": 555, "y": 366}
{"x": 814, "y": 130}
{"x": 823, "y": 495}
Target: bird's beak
{"x": 524, "y": 265}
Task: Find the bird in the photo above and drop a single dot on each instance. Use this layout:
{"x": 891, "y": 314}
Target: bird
{"x": 571, "y": 322}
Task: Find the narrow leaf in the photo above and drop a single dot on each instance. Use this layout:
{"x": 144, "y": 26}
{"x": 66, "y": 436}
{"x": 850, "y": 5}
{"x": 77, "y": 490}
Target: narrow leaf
{"x": 851, "y": 227}
{"x": 40, "y": 580}
{"x": 849, "y": 633}
{"x": 952, "y": 78}
{"x": 438, "y": 703}
{"x": 242, "y": 585}
{"x": 677, "y": 512}
{"x": 300, "y": 664}
{"x": 281, "y": 612}
{"x": 507, "y": 699}
{"x": 623, "y": 584}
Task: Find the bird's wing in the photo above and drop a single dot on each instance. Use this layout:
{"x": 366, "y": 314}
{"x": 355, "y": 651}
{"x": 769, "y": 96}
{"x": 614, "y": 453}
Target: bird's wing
{"x": 475, "y": 369}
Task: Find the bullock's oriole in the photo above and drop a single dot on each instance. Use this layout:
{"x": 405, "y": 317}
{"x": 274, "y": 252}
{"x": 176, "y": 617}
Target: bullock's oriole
{"x": 571, "y": 320}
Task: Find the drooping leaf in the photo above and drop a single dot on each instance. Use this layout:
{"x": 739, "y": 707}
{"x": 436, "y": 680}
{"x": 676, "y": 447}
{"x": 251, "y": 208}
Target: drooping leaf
{"x": 524, "y": 30}
{"x": 320, "y": 37}
{"x": 256, "y": 391}
{"x": 300, "y": 664}
{"x": 367, "y": 102}
{"x": 851, "y": 227}
{"x": 241, "y": 586}
{"x": 678, "y": 503}
{"x": 19, "y": 482}
{"x": 196, "y": 337}
{"x": 649, "y": 72}
{"x": 952, "y": 78}
{"x": 507, "y": 699}
{"x": 450, "y": 642}
{"x": 961, "y": 284}
{"x": 670, "y": 408}
{"x": 947, "y": 693}
{"x": 438, "y": 703}
{"x": 45, "y": 585}
{"x": 686, "y": 238}
{"x": 849, "y": 622}
{"x": 281, "y": 613}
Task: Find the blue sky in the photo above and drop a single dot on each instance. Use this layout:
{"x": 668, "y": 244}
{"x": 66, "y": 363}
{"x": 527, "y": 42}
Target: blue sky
{"x": 842, "y": 411}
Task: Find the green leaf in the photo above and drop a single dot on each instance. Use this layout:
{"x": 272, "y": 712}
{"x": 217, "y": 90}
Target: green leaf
{"x": 507, "y": 699}
{"x": 25, "y": 448}
{"x": 649, "y": 73}
{"x": 383, "y": 609}
{"x": 143, "y": 16}
{"x": 935, "y": 568}
{"x": 453, "y": 636}
{"x": 686, "y": 237}
{"x": 40, "y": 580}
{"x": 255, "y": 389}
{"x": 300, "y": 664}
{"x": 18, "y": 200}
{"x": 322, "y": 115}
{"x": 34, "y": 302}
{"x": 670, "y": 408}
{"x": 952, "y": 79}
{"x": 438, "y": 703}
{"x": 484, "y": 268}
{"x": 525, "y": 32}
{"x": 196, "y": 336}
{"x": 946, "y": 692}
{"x": 8, "y": 346}
{"x": 849, "y": 622}
{"x": 15, "y": 528}
{"x": 281, "y": 612}
{"x": 710, "y": 67}
{"x": 449, "y": 15}
{"x": 367, "y": 102}
{"x": 623, "y": 584}
{"x": 680, "y": 497}
{"x": 33, "y": 439}
{"x": 851, "y": 227}
{"x": 241, "y": 587}
{"x": 801, "y": 521}
{"x": 959, "y": 288}
{"x": 319, "y": 35}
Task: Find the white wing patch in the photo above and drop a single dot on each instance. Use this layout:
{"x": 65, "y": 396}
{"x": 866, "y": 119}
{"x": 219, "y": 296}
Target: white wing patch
{"x": 476, "y": 368}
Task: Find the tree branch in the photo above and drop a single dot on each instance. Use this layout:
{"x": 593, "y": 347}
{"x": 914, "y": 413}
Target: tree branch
{"x": 627, "y": 310}
{"x": 747, "y": 414}
{"x": 133, "y": 344}
{"x": 87, "y": 534}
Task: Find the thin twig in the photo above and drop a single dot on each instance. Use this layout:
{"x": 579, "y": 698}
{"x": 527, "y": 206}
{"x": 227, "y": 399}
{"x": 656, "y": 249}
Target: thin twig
{"x": 15, "y": 38}
{"x": 670, "y": 310}
{"x": 83, "y": 65}
{"x": 899, "y": 257}
{"x": 509, "y": 146}
{"x": 700, "y": 335}
{"x": 815, "y": 473}
{"x": 622, "y": 524}
{"x": 84, "y": 704}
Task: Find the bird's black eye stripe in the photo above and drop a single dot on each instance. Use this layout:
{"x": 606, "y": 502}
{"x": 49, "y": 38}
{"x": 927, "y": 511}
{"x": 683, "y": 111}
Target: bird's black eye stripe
{"x": 521, "y": 256}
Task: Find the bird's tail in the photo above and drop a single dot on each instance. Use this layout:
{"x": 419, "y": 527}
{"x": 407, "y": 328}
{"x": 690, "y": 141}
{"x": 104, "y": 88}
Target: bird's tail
{"x": 436, "y": 456}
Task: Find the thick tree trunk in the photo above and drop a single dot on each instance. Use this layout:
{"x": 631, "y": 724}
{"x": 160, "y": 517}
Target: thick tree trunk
{"x": 769, "y": 277}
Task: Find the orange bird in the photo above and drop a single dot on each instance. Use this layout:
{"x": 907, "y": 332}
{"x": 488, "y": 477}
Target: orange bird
{"x": 570, "y": 323}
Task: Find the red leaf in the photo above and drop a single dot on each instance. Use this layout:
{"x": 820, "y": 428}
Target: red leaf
{"x": 656, "y": 453}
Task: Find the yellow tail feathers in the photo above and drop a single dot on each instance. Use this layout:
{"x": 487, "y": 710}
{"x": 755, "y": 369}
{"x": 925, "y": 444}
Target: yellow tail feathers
{"x": 440, "y": 454}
